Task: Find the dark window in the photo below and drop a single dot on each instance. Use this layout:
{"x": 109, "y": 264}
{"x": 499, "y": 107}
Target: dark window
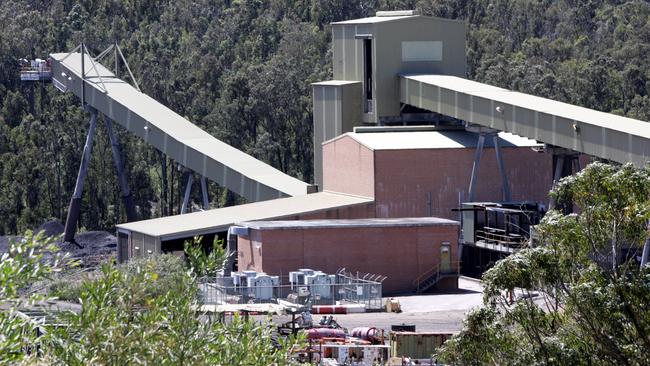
{"x": 367, "y": 61}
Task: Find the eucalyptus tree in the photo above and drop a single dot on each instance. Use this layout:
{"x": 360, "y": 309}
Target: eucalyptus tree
{"x": 582, "y": 294}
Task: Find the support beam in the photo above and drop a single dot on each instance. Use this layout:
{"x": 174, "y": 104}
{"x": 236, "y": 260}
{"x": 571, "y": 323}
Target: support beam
{"x": 75, "y": 201}
{"x": 129, "y": 206}
{"x": 475, "y": 167}
{"x": 646, "y": 253}
{"x": 163, "y": 198}
{"x": 504, "y": 177}
{"x": 188, "y": 190}
{"x": 204, "y": 192}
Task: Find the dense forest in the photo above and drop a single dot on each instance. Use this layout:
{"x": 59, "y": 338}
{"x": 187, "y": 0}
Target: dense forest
{"x": 241, "y": 69}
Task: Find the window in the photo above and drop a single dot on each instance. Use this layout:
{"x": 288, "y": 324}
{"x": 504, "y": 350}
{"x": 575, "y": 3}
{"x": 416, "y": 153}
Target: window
{"x": 421, "y": 51}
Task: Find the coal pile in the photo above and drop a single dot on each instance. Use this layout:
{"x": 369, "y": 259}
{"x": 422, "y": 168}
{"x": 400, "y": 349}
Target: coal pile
{"x": 51, "y": 228}
{"x": 91, "y": 249}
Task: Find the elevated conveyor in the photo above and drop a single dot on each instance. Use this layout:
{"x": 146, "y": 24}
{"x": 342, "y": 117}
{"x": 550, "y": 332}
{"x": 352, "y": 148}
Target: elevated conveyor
{"x": 584, "y": 130}
{"x": 172, "y": 134}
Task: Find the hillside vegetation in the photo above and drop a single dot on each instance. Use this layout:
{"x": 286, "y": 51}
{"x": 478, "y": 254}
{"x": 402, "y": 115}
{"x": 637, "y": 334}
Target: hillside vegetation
{"x": 242, "y": 70}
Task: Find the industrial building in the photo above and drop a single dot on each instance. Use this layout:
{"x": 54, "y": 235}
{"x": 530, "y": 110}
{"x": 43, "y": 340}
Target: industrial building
{"x": 167, "y": 234}
{"x": 404, "y": 250}
{"x": 427, "y": 173}
{"x": 404, "y": 148}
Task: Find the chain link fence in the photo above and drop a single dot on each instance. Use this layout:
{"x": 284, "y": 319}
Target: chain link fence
{"x": 348, "y": 288}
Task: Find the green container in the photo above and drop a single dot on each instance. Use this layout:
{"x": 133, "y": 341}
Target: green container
{"x": 418, "y": 345}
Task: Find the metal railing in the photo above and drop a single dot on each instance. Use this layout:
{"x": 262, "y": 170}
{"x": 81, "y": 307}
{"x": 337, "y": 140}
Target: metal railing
{"x": 35, "y": 73}
{"x": 434, "y": 274}
{"x": 501, "y": 240}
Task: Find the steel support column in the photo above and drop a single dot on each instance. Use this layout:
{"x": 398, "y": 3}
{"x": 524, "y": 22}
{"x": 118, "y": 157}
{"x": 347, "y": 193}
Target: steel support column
{"x": 75, "y": 201}
{"x": 475, "y": 167}
{"x": 504, "y": 177}
{"x": 204, "y": 192}
{"x": 645, "y": 253}
{"x": 188, "y": 190}
{"x": 129, "y": 206}
{"x": 163, "y": 198}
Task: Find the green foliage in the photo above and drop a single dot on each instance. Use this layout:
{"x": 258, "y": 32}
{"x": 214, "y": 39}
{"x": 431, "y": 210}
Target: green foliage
{"x": 205, "y": 262}
{"x": 144, "y": 312}
{"x": 581, "y": 294}
{"x": 135, "y": 315}
{"x": 168, "y": 270}
{"x": 31, "y": 259}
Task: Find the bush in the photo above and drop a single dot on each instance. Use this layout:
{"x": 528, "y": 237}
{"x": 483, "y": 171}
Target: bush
{"x": 167, "y": 268}
{"x": 139, "y": 314}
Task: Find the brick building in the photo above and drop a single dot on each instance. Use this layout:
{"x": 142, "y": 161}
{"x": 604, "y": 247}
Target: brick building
{"x": 401, "y": 249}
{"x": 427, "y": 173}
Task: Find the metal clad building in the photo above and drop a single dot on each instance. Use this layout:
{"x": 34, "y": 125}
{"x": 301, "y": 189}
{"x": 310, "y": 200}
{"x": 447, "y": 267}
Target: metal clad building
{"x": 374, "y": 51}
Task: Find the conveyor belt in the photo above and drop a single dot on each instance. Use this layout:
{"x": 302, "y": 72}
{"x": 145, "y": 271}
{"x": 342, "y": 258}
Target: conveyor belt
{"x": 172, "y": 134}
{"x": 599, "y": 134}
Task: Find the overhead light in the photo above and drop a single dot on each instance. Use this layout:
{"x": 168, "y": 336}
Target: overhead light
{"x": 575, "y": 126}
{"x": 64, "y": 74}
{"x": 499, "y": 109}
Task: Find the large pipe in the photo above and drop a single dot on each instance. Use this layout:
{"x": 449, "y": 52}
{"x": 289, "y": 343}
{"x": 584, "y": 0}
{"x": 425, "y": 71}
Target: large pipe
{"x": 75, "y": 201}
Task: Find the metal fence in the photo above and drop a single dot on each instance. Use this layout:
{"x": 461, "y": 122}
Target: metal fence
{"x": 349, "y": 288}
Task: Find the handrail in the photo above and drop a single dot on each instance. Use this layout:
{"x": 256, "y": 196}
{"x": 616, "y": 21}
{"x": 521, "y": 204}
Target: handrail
{"x": 501, "y": 238}
{"x": 426, "y": 275}
{"x": 437, "y": 272}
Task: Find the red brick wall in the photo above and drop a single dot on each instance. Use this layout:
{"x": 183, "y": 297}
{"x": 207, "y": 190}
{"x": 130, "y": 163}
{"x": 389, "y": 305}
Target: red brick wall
{"x": 401, "y": 253}
{"x": 405, "y": 177}
{"x": 348, "y": 167}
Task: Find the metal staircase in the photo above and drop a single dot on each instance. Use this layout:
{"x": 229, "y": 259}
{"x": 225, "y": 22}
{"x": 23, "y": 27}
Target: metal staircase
{"x": 430, "y": 278}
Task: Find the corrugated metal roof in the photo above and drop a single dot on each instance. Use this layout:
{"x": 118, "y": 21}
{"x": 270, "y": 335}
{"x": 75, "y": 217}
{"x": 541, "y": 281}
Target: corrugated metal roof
{"x": 351, "y": 223}
{"x": 565, "y": 110}
{"x": 198, "y": 223}
{"x": 434, "y": 140}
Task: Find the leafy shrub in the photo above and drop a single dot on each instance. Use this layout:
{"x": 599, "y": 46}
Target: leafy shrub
{"x": 134, "y": 314}
{"x": 28, "y": 260}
